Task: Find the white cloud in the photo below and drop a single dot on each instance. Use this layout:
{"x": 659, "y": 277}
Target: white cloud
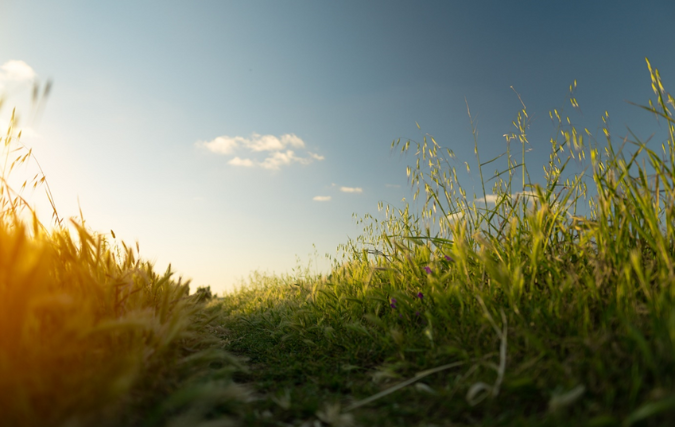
{"x": 227, "y": 144}
{"x": 221, "y": 145}
{"x": 494, "y": 198}
{"x": 456, "y": 216}
{"x": 15, "y": 72}
{"x": 277, "y": 148}
{"x": 264, "y": 143}
{"x": 321, "y": 198}
{"x": 392, "y": 185}
{"x": 292, "y": 139}
{"x": 351, "y": 189}
{"x": 278, "y": 159}
{"x": 241, "y": 162}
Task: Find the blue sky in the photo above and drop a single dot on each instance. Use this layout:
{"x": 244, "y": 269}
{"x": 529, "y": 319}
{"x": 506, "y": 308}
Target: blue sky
{"x": 232, "y": 136}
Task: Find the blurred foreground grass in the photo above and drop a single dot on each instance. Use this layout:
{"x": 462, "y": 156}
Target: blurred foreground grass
{"x": 90, "y": 334}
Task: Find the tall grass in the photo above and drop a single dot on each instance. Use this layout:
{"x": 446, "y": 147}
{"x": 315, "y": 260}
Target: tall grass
{"x": 532, "y": 304}
{"x": 535, "y": 304}
{"x": 90, "y": 334}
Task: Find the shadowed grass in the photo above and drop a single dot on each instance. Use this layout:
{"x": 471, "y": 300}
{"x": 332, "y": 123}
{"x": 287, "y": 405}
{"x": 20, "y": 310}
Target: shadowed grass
{"x": 546, "y": 304}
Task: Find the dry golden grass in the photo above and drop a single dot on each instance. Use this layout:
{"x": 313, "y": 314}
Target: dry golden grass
{"x": 89, "y": 333}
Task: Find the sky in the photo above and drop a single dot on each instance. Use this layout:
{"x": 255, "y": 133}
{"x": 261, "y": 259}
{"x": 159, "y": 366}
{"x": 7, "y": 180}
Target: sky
{"x": 233, "y": 136}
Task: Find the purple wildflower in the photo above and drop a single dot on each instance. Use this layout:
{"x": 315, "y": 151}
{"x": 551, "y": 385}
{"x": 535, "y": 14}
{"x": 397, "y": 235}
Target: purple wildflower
{"x": 417, "y": 313}
{"x": 448, "y": 258}
{"x": 428, "y": 269}
{"x": 420, "y": 295}
{"x": 393, "y": 303}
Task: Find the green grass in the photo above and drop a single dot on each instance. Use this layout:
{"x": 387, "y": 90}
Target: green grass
{"x": 532, "y": 304}
{"x": 511, "y": 309}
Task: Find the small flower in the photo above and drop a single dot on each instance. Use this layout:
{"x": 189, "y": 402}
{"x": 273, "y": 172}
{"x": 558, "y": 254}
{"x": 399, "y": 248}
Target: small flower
{"x": 447, "y": 258}
{"x": 417, "y": 314}
{"x": 428, "y": 269}
{"x": 393, "y": 303}
{"x": 420, "y": 295}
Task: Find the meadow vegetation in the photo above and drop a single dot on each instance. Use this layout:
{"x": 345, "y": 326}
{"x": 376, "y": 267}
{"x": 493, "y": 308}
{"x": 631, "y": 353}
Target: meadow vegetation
{"x": 90, "y": 334}
{"x": 534, "y": 304}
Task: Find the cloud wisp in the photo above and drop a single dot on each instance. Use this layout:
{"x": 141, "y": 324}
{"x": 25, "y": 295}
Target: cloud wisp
{"x": 351, "y": 189}
{"x": 268, "y": 151}
{"x": 15, "y": 73}
{"x": 16, "y": 76}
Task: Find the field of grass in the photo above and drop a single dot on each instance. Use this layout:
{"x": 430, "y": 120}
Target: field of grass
{"x": 511, "y": 309}
{"x": 532, "y": 304}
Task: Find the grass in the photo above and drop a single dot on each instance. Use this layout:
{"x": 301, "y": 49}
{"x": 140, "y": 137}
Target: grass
{"x": 533, "y": 304}
{"x": 90, "y": 334}
{"x": 513, "y": 308}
